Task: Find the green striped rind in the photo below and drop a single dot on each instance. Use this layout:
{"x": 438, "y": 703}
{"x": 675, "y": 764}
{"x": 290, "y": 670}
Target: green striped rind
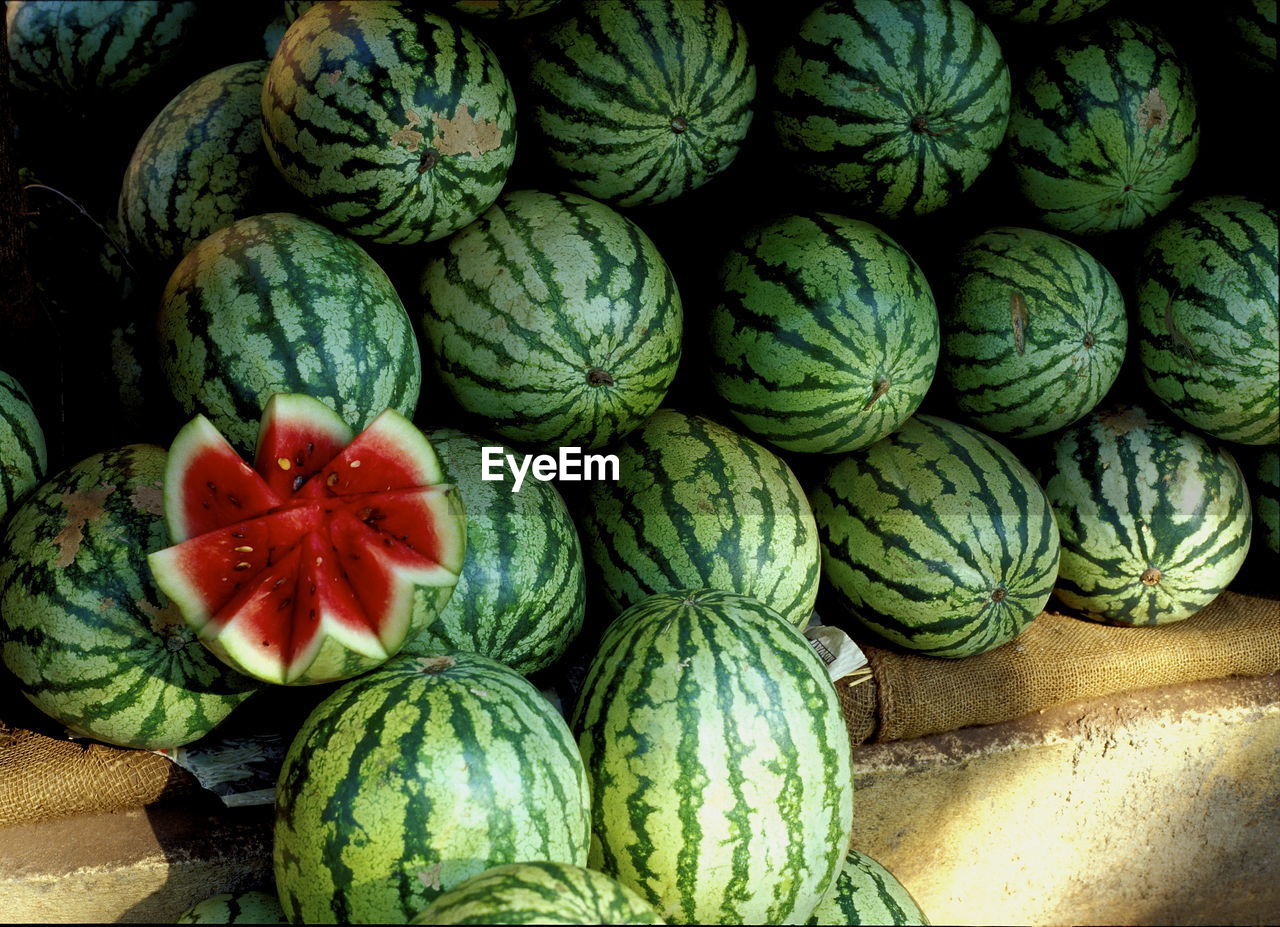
{"x": 1104, "y": 133}
{"x": 697, "y": 505}
{"x": 503, "y": 9}
{"x": 235, "y": 908}
{"x": 1035, "y": 334}
{"x": 413, "y": 778}
{"x": 825, "y": 337}
{"x": 1038, "y": 12}
{"x": 640, "y": 103}
{"x": 23, "y": 457}
{"x": 554, "y": 319}
{"x": 80, "y": 49}
{"x": 396, "y": 124}
{"x": 521, "y": 595}
{"x": 1254, "y": 25}
{"x": 1266, "y": 498}
{"x": 1155, "y": 520}
{"x": 83, "y": 628}
{"x": 719, "y": 761}
{"x": 199, "y": 166}
{"x": 539, "y": 893}
{"x": 867, "y": 893}
{"x": 937, "y": 539}
{"x": 898, "y": 105}
{"x": 279, "y": 304}
{"x": 1209, "y": 321}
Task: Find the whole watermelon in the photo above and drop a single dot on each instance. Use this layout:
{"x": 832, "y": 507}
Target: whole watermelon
{"x": 639, "y": 122}
{"x": 539, "y": 893}
{"x": 199, "y": 166}
{"x": 867, "y": 893}
{"x": 1039, "y": 12}
{"x": 1035, "y": 333}
{"x": 697, "y": 505}
{"x": 895, "y": 105}
{"x": 83, "y": 628}
{"x": 1104, "y": 132}
{"x": 413, "y": 778}
{"x": 553, "y": 319}
{"x": 85, "y": 51}
{"x": 23, "y": 457}
{"x": 1209, "y": 320}
{"x": 1155, "y": 520}
{"x": 1266, "y": 498}
{"x": 719, "y": 761}
{"x": 521, "y": 596}
{"x": 825, "y": 336}
{"x": 235, "y": 908}
{"x": 395, "y": 123}
{"x": 937, "y": 539}
{"x": 279, "y": 304}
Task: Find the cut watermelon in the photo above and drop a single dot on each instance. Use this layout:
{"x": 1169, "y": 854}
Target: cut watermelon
{"x": 306, "y": 567}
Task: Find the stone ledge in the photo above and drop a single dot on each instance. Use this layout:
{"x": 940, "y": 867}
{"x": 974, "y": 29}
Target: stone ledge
{"x": 1160, "y": 806}
{"x": 140, "y": 866}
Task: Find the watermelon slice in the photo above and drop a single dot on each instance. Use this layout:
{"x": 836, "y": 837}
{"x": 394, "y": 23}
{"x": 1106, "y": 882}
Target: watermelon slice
{"x": 305, "y": 567}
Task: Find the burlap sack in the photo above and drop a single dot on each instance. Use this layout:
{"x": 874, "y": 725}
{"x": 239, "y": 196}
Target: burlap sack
{"x": 1060, "y": 659}
{"x": 45, "y": 777}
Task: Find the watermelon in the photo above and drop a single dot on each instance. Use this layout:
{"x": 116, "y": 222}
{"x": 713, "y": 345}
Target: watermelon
{"x": 825, "y": 336}
{"x": 503, "y": 9}
{"x": 521, "y": 594}
{"x": 82, "y": 51}
{"x": 198, "y": 167}
{"x": 719, "y": 761}
{"x": 554, "y": 319}
{"x": 1039, "y": 12}
{"x": 1155, "y": 520}
{"x": 636, "y": 121}
{"x": 896, "y": 106}
{"x": 1209, "y": 321}
{"x": 23, "y": 457}
{"x": 539, "y": 893}
{"x": 396, "y": 124}
{"x": 90, "y": 639}
{"x": 937, "y": 539}
{"x": 277, "y": 303}
{"x": 867, "y": 893}
{"x": 1035, "y": 333}
{"x": 315, "y": 564}
{"x": 1253, "y": 25}
{"x": 1266, "y": 498}
{"x": 408, "y": 781}
{"x": 1104, "y": 132}
{"x": 235, "y": 908}
{"x": 698, "y": 505}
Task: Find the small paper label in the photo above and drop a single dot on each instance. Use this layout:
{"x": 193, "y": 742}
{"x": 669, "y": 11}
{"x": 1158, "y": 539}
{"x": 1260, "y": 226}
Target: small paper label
{"x": 240, "y": 770}
{"x": 841, "y": 655}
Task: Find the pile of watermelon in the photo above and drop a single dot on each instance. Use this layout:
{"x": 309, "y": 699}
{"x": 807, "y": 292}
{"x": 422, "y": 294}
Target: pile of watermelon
{"x": 929, "y": 314}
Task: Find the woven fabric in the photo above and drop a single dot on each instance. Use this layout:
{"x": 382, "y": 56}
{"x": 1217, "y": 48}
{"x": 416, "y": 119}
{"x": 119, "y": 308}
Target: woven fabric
{"x": 46, "y": 777}
{"x": 1060, "y": 659}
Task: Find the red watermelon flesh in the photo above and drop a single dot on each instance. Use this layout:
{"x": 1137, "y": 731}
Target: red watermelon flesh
{"x": 295, "y": 440}
{"x": 304, "y": 569}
